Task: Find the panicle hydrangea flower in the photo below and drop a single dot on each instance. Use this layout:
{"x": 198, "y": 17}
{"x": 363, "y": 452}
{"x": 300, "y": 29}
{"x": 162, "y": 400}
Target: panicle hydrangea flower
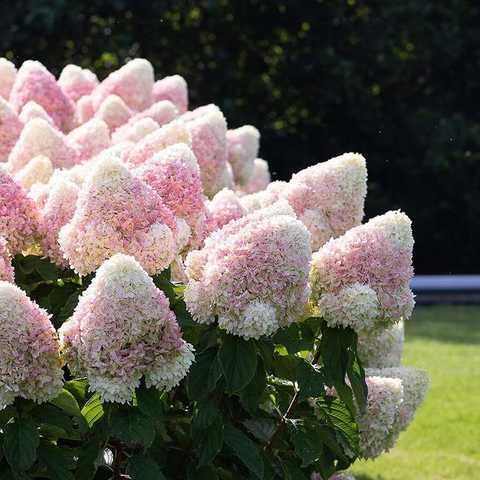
{"x": 90, "y": 138}
{"x": 224, "y": 207}
{"x": 8, "y": 73}
{"x": 10, "y": 128}
{"x": 18, "y": 215}
{"x": 173, "y": 88}
{"x": 114, "y": 112}
{"x": 77, "y": 82}
{"x": 272, "y": 193}
{"x": 35, "y": 82}
{"x": 38, "y": 137}
{"x": 6, "y": 269}
{"x": 377, "y": 254}
{"x": 377, "y": 425}
{"x": 58, "y": 211}
{"x": 252, "y": 274}
{"x": 174, "y": 174}
{"x": 30, "y": 364}
{"x": 84, "y": 110}
{"x": 118, "y": 213}
{"x": 329, "y": 197}
{"x": 33, "y": 110}
{"x": 123, "y": 329}
{"x": 162, "y": 112}
{"x": 134, "y": 131}
{"x": 208, "y": 129}
{"x": 170, "y": 134}
{"x": 381, "y": 348}
{"x": 133, "y": 83}
{"x": 259, "y": 179}
{"x": 415, "y": 384}
{"x": 38, "y": 170}
{"x": 243, "y": 144}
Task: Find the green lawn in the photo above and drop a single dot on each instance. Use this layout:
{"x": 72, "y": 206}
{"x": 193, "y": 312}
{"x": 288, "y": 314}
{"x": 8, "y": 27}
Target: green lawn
{"x": 444, "y": 440}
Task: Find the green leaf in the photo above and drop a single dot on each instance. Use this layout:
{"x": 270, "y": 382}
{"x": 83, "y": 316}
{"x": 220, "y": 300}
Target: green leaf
{"x": 308, "y": 445}
{"x": 59, "y": 461}
{"x": 209, "y": 442}
{"x": 20, "y": 444}
{"x": 310, "y": 380}
{"x": 291, "y": 471}
{"x": 238, "y": 359}
{"x": 149, "y": 402}
{"x": 67, "y": 402}
{"x": 296, "y": 338}
{"x": 285, "y": 366}
{"x": 46, "y": 269}
{"x": 250, "y": 396}
{"x": 203, "y": 375}
{"x": 132, "y": 426}
{"x": 87, "y": 461}
{"x": 141, "y": 467}
{"x": 206, "y": 414}
{"x": 208, "y": 472}
{"x": 78, "y": 388}
{"x": 245, "y": 449}
{"x": 93, "y": 410}
{"x": 261, "y": 428}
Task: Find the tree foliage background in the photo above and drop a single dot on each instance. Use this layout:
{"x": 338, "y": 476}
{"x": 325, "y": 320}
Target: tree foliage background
{"x": 396, "y": 81}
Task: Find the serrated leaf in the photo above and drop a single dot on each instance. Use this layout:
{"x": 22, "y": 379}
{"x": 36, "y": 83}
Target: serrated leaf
{"x": 132, "y": 427}
{"x": 141, "y": 467}
{"x": 261, "y": 428}
{"x": 310, "y": 380}
{"x": 78, "y": 388}
{"x": 20, "y": 444}
{"x": 238, "y": 359}
{"x": 93, "y": 410}
{"x": 285, "y": 366}
{"x": 67, "y": 402}
{"x": 245, "y": 449}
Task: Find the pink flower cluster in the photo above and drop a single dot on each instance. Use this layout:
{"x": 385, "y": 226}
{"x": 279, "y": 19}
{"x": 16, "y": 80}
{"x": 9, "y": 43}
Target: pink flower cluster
{"x": 366, "y": 271}
{"x": 252, "y": 274}
{"x": 6, "y": 269}
{"x": 30, "y": 363}
{"x": 123, "y": 329}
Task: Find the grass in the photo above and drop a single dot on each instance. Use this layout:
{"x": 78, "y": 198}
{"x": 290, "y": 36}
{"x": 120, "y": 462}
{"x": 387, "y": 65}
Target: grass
{"x": 443, "y": 443}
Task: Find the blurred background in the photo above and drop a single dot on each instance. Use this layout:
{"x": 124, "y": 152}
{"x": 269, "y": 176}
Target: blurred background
{"x": 396, "y": 81}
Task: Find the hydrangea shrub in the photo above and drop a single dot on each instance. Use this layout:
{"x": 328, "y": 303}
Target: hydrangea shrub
{"x": 168, "y": 312}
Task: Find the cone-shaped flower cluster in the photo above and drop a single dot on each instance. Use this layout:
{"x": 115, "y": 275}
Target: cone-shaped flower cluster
{"x": 174, "y": 89}
{"x": 259, "y": 179}
{"x": 123, "y": 329}
{"x": 33, "y": 110}
{"x": 114, "y": 112}
{"x": 134, "y": 130}
{"x": 37, "y": 170}
{"x": 224, "y": 207}
{"x": 8, "y": 73}
{"x": 18, "y": 215}
{"x": 77, "y": 82}
{"x": 252, "y": 274}
{"x": 10, "y": 128}
{"x": 30, "y": 364}
{"x": 35, "y": 82}
{"x": 90, "y": 138}
{"x": 362, "y": 279}
{"x": 118, "y": 213}
{"x": 6, "y": 269}
{"x": 243, "y": 144}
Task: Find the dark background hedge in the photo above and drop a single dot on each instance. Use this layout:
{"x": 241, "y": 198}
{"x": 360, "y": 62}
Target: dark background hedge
{"x": 398, "y": 81}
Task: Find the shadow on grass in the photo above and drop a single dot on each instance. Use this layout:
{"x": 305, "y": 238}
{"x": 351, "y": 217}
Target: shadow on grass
{"x": 363, "y": 476}
{"x": 446, "y": 323}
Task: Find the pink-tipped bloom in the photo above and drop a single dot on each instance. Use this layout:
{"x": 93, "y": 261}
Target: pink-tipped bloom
{"x": 8, "y": 73}
{"x": 133, "y": 83}
{"x": 33, "y": 110}
{"x": 371, "y": 267}
{"x": 35, "y": 82}
{"x": 30, "y": 364}
{"x": 118, "y": 213}
{"x": 90, "y": 138}
{"x": 378, "y": 432}
{"x": 114, "y": 112}
{"x": 174, "y": 174}
{"x": 224, "y": 207}
{"x": 162, "y": 112}
{"x": 208, "y": 129}
{"x": 10, "y": 128}
{"x": 123, "y": 329}
{"x": 18, "y": 215}
{"x": 84, "y": 110}
{"x": 252, "y": 274}
{"x": 243, "y": 144}
{"x": 415, "y": 384}
{"x": 381, "y": 348}
{"x": 58, "y": 211}
{"x": 6, "y": 269}
{"x": 37, "y": 170}
{"x": 173, "y": 88}
{"x": 134, "y": 131}
{"x": 264, "y": 198}
{"x": 329, "y": 197}
{"x": 77, "y": 82}
{"x": 259, "y": 180}
{"x": 170, "y": 134}
{"x": 38, "y": 137}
